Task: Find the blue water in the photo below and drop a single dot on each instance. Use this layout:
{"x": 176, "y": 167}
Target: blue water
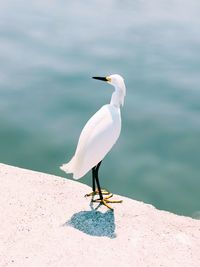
{"x": 48, "y": 52}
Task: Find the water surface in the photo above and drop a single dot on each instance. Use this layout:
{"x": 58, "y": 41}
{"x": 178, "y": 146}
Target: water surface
{"x": 48, "y": 53}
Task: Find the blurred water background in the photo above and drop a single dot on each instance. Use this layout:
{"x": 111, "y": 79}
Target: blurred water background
{"x": 48, "y": 52}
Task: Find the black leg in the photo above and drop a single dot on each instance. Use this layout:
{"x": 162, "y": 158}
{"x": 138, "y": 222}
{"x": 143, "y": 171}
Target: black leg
{"x": 97, "y": 179}
{"x": 97, "y": 167}
{"x": 94, "y": 170}
{"x": 93, "y": 179}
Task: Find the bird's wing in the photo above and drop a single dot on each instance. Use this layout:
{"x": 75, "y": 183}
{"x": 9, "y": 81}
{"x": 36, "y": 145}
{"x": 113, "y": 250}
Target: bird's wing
{"x": 97, "y": 138}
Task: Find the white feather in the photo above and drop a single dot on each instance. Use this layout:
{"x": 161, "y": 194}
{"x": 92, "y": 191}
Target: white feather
{"x": 97, "y": 138}
{"x": 98, "y": 135}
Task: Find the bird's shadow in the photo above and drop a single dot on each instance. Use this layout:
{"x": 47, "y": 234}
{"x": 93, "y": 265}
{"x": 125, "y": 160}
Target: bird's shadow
{"x": 94, "y": 223}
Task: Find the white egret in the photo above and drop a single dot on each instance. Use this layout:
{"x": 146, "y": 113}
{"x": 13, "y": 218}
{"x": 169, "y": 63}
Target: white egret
{"x": 97, "y": 138}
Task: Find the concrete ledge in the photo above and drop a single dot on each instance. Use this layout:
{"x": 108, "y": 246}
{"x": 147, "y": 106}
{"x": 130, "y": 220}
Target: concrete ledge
{"x": 46, "y": 221}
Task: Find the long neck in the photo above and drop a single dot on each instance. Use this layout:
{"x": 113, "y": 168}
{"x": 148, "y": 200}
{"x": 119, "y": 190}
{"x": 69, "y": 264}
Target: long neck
{"x": 117, "y": 98}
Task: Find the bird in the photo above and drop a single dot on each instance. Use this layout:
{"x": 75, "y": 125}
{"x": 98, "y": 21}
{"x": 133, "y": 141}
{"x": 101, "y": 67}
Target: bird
{"x": 97, "y": 138}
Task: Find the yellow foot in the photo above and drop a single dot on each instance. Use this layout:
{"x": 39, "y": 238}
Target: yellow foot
{"x": 107, "y": 200}
{"x": 96, "y": 192}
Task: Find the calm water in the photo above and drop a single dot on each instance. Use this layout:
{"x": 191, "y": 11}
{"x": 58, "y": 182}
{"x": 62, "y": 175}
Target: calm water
{"x": 48, "y": 52}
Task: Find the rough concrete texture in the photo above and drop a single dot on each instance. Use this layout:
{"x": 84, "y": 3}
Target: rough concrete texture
{"x": 46, "y": 221}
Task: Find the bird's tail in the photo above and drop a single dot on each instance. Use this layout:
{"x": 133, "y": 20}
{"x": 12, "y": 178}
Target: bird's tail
{"x": 65, "y": 168}
{"x": 69, "y": 167}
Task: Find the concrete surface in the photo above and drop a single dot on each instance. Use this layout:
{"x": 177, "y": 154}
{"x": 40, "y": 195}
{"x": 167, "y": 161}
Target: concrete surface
{"x": 46, "y": 221}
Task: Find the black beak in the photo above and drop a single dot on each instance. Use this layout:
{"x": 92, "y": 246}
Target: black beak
{"x": 101, "y": 78}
